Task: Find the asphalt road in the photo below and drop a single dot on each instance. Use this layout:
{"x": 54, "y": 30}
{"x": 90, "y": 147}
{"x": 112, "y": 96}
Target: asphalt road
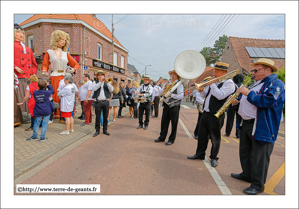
{"x": 129, "y": 162}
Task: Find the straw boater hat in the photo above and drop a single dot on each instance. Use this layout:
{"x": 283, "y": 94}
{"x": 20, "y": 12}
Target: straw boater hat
{"x": 173, "y": 71}
{"x": 221, "y": 66}
{"x": 146, "y": 77}
{"x": 263, "y": 61}
{"x": 101, "y": 72}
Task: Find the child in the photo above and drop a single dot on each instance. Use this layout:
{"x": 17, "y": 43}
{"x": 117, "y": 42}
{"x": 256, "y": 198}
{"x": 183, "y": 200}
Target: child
{"x": 42, "y": 110}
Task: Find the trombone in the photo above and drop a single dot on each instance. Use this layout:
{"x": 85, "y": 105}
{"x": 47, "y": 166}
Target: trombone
{"x": 208, "y": 82}
{"x": 110, "y": 80}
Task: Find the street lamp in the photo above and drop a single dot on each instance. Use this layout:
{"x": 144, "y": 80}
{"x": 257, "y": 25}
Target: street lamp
{"x": 145, "y": 69}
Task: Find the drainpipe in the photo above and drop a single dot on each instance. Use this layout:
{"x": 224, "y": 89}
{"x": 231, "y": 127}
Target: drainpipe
{"x": 83, "y": 53}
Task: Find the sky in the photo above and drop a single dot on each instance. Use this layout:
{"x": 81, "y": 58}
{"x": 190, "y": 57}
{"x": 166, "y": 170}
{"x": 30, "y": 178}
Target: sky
{"x": 157, "y": 39}
{"x": 153, "y": 37}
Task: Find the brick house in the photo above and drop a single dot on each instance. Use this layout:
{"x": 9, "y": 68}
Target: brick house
{"x": 136, "y": 74}
{"x": 239, "y": 53}
{"x": 90, "y": 40}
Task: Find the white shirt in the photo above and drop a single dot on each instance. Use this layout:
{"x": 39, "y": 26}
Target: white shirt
{"x": 61, "y": 85}
{"x": 148, "y": 88}
{"x": 199, "y": 99}
{"x": 227, "y": 88}
{"x": 179, "y": 95}
{"x": 247, "y": 110}
{"x": 85, "y": 88}
{"x": 156, "y": 91}
{"x": 96, "y": 86}
{"x": 80, "y": 94}
{"x": 67, "y": 98}
{"x": 56, "y": 64}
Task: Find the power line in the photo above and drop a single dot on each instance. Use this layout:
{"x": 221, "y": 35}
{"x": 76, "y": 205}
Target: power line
{"x": 121, "y": 19}
{"x": 220, "y": 30}
{"x": 208, "y": 34}
{"x": 231, "y": 23}
{"x": 216, "y": 33}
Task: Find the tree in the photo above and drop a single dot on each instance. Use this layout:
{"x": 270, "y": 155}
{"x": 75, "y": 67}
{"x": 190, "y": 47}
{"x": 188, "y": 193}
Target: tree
{"x": 209, "y": 55}
{"x": 220, "y": 45}
{"x": 213, "y": 55}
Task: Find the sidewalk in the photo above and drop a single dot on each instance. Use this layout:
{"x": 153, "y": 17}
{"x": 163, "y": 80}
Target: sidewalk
{"x": 28, "y": 154}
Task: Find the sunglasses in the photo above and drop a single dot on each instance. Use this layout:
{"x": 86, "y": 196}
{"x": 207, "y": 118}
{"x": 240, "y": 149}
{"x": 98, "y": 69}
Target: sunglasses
{"x": 255, "y": 70}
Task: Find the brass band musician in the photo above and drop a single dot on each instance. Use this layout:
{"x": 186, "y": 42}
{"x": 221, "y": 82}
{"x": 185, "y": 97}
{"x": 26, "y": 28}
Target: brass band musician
{"x": 102, "y": 92}
{"x": 171, "y": 112}
{"x": 145, "y": 91}
{"x": 200, "y": 102}
{"x": 215, "y": 96}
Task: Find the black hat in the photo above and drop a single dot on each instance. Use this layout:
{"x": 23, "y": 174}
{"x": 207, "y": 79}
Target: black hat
{"x": 16, "y": 26}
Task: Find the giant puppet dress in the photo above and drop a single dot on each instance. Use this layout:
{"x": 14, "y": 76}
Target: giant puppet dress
{"x": 25, "y": 60}
{"x": 59, "y": 67}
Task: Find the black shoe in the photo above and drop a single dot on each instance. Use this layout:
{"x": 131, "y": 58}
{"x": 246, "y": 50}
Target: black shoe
{"x": 251, "y": 191}
{"x": 159, "y": 140}
{"x": 196, "y": 137}
{"x": 96, "y": 133}
{"x": 145, "y": 127}
{"x": 154, "y": 116}
{"x": 214, "y": 162}
{"x": 195, "y": 157}
{"x": 140, "y": 126}
{"x": 169, "y": 143}
{"x": 43, "y": 139}
{"x": 240, "y": 177}
{"x": 82, "y": 118}
{"x": 31, "y": 138}
{"x": 105, "y": 132}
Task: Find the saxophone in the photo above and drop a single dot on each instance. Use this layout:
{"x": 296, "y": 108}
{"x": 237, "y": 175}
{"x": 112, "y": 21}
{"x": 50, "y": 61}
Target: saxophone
{"x": 229, "y": 101}
{"x": 166, "y": 89}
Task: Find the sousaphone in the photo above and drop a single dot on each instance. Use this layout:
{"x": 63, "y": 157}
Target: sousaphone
{"x": 188, "y": 65}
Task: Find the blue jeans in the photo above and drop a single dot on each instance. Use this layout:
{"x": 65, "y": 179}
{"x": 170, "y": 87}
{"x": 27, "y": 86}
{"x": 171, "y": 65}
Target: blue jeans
{"x": 37, "y": 122}
{"x": 101, "y": 118}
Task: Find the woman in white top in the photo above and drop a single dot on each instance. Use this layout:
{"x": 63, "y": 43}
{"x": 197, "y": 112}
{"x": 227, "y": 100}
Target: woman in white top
{"x": 57, "y": 59}
{"x": 67, "y": 97}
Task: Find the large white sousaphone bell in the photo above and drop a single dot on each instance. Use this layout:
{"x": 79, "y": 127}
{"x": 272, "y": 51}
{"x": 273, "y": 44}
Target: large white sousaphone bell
{"x": 188, "y": 65}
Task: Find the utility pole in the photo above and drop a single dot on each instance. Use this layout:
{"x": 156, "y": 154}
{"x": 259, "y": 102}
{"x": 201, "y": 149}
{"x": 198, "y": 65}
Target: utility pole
{"x": 145, "y": 69}
{"x": 112, "y": 41}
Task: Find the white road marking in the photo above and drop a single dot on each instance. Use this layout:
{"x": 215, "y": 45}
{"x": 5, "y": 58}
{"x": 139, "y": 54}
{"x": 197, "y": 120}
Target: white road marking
{"x": 221, "y": 185}
{"x": 185, "y": 106}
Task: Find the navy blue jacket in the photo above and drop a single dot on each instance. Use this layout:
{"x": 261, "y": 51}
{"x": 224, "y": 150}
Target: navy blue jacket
{"x": 43, "y": 106}
{"x": 269, "y": 102}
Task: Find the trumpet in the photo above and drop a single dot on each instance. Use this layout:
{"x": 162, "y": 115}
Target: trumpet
{"x": 208, "y": 82}
{"x": 230, "y": 100}
{"x": 110, "y": 80}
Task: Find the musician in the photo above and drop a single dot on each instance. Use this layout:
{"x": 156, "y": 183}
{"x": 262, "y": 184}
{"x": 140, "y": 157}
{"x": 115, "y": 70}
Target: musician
{"x": 171, "y": 112}
{"x": 156, "y": 98}
{"x": 215, "y": 96}
{"x": 145, "y": 91}
{"x": 261, "y": 109}
{"x": 200, "y": 102}
{"x": 102, "y": 92}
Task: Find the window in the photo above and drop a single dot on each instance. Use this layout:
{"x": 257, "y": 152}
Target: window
{"x": 122, "y": 62}
{"x": 31, "y": 43}
{"x": 99, "y": 51}
{"x": 115, "y": 58}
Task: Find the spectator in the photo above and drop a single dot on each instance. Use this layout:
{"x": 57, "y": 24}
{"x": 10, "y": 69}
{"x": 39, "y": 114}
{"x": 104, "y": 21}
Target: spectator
{"x": 123, "y": 103}
{"x": 67, "y": 98}
{"x": 49, "y": 81}
{"x": 116, "y": 99}
{"x": 133, "y": 92}
{"x": 81, "y": 98}
{"x": 87, "y": 98}
{"x": 29, "y": 95}
{"x": 42, "y": 110}
{"x": 130, "y": 100}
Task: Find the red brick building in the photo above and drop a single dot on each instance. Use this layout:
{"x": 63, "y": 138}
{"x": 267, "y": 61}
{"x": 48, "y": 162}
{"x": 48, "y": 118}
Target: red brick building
{"x": 90, "y": 43}
{"x": 239, "y": 53}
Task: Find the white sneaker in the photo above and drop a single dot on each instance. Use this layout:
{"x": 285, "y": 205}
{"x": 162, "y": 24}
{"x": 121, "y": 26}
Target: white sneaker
{"x": 71, "y": 131}
{"x": 50, "y": 121}
{"x": 64, "y": 133}
{"x": 113, "y": 120}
